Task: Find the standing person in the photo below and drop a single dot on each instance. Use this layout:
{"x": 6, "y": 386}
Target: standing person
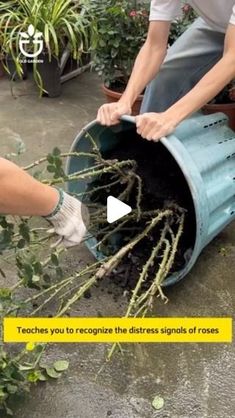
{"x": 21, "y": 194}
{"x": 184, "y": 78}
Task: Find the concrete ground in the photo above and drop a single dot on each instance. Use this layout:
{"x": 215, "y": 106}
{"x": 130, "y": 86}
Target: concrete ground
{"x": 195, "y": 380}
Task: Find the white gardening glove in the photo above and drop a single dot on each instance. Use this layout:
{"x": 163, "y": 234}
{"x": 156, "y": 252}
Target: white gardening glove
{"x": 69, "y": 219}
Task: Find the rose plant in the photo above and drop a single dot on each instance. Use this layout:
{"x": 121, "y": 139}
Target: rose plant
{"x": 122, "y": 29}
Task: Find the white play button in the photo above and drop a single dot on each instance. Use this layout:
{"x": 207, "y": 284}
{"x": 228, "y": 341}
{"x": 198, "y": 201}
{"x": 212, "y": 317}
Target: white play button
{"x": 116, "y": 209}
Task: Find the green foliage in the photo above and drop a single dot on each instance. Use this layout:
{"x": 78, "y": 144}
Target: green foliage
{"x": 37, "y": 264}
{"x": 182, "y": 23}
{"x": 61, "y": 23}
{"x": 55, "y": 164}
{"x": 6, "y": 232}
{"x": 18, "y": 372}
{"x": 24, "y": 243}
{"x": 122, "y": 30}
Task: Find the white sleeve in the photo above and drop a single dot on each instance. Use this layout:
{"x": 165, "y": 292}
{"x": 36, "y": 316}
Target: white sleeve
{"x": 165, "y": 9}
{"x": 232, "y": 18}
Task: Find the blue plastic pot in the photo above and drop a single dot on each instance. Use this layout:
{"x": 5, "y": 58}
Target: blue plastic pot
{"x": 204, "y": 149}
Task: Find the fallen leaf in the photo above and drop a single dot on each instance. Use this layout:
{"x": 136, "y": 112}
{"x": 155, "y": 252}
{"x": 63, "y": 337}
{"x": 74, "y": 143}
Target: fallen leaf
{"x": 52, "y": 373}
{"x": 158, "y": 403}
{"x": 61, "y": 365}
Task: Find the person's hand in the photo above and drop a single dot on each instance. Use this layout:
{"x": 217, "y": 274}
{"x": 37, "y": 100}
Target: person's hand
{"x": 153, "y": 126}
{"x": 109, "y": 114}
{"x": 70, "y": 221}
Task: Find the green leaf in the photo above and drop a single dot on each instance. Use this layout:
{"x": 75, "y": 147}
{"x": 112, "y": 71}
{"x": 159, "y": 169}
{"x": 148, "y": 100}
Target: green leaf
{"x": 21, "y": 244}
{"x": 59, "y": 272}
{"x": 12, "y": 389}
{"x": 50, "y": 159}
{"x": 46, "y": 278}
{"x": 3, "y": 394}
{"x": 5, "y": 293}
{"x": 28, "y": 270}
{"x": 38, "y": 267}
{"x": 24, "y": 231}
{"x": 56, "y": 151}
{"x": 52, "y": 373}
{"x": 51, "y": 168}
{"x": 158, "y": 403}
{"x": 9, "y": 411}
{"x": 101, "y": 43}
{"x": 54, "y": 259}
{"x": 3, "y": 223}
{"x": 42, "y": 377}
{"x": 61, "y": 365}
{"x": 43, "y": 365}
{"x": 35, "y": 278}
{"x": 58, "y": 163}
{"x": 33, "y": 376}
{"x": 23, "y": 368}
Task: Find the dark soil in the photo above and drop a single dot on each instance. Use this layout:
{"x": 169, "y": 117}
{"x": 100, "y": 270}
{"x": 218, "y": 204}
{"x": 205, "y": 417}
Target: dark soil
{"x": 119, "y": 86}
{"x": 163, "y": 185}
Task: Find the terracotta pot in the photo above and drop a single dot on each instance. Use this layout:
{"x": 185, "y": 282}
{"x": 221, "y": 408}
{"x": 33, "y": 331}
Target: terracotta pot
{"x": 228, "y": 109}
{"x": 114, "y": 96}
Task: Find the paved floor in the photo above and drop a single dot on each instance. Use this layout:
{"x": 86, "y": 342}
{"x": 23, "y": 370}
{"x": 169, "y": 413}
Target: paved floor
{"x": 196, "y": 380}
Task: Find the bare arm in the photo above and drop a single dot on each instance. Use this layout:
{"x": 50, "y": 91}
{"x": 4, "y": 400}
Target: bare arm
{"x": 21, "y": 194}
{"x": 153, "y": 126}
{"x": 147, "y": 64}
{"x": 148, "y": 61}
{"x": 211, "y": 84}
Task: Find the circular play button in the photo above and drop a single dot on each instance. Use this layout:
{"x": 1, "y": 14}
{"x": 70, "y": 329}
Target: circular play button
{"x": 116, "y": 209}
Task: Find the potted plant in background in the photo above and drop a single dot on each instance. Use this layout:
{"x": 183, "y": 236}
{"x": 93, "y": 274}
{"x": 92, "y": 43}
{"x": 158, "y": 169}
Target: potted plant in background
{"x": 1, "y": 68}
{"x": 1, "y": 56}
{"x": 62, "y": 23}
{"x": 1, "y": 63}
{"x": 180, "y": 24}
{"x": 3, "y": 7}
{"x": 122, "y": 30}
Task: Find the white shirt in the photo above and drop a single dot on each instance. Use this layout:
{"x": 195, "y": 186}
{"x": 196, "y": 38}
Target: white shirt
{"x": 217, "y": 13}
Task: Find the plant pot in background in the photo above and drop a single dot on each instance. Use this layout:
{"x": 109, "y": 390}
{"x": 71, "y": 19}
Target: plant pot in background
{"x": 13, "y": 75}
{"x": 2, "y": 72}
{"x": 50, "y": 75}
{"x": 228, "y": 109}
{"x": 114, "y": 96}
